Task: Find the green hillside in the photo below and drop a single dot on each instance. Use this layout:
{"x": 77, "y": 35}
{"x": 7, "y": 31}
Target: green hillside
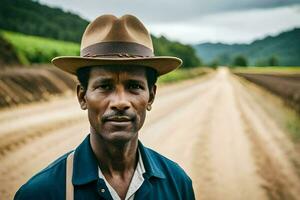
{"x": 283, "y": 49}
{"x": 32, "y": 18}
{"x": 163, "y": 46}
{"x": 35, "y": 49}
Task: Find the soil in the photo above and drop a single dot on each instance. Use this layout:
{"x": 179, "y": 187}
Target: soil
{"x": 211, "y": 126}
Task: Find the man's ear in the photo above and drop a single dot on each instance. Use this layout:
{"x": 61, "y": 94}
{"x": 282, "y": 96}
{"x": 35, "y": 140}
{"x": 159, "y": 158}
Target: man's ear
{"x": 81, "y": 96}
{"x": 152, "y": 95}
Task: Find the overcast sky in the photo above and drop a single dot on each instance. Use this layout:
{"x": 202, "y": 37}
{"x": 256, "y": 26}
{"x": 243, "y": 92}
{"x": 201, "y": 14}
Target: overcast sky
{"x": 195, "y": 21}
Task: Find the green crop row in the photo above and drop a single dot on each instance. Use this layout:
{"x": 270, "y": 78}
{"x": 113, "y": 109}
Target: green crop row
{"x": 277, "y": 69}
{"x": 34, "y": 49}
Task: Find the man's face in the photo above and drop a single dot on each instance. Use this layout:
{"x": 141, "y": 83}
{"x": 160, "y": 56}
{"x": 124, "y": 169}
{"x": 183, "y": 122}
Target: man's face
{"x": 116, "y": 99}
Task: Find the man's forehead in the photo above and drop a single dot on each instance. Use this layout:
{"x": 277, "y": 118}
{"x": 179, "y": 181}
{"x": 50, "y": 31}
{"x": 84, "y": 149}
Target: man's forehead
{"x": 132, "y": 70}
{"x": 109, "y": 71}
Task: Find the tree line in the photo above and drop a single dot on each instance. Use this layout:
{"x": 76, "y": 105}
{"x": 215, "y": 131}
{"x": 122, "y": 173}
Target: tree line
{"x": 242, "y": 61}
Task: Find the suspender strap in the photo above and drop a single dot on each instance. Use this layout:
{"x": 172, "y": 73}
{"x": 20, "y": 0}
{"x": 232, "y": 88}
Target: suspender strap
{"x": 69, "y": 174}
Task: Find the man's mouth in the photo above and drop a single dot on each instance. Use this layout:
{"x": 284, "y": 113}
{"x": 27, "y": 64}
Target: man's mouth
{"x": 119, "y": 119}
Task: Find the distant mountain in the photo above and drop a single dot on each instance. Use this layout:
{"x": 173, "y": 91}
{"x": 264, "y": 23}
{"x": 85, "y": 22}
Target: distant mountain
{"x": 284, "y": 48}
{"x": 32, "y": 18}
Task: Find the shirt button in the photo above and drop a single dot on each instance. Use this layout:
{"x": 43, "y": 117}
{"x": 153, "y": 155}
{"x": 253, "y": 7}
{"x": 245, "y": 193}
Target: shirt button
{"x": 102, "y": 190}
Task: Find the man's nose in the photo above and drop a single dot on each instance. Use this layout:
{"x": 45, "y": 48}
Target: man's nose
{"x": 120, "y": 101}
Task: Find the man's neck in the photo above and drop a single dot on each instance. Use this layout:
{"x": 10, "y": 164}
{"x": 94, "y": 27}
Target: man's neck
{"x": 115, "y": 158}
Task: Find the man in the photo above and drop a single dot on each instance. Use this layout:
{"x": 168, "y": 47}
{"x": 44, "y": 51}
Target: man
{"x": 117, "y": 71}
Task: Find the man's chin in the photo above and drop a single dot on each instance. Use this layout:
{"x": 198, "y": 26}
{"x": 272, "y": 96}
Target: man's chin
{"x": 120, "y": 136}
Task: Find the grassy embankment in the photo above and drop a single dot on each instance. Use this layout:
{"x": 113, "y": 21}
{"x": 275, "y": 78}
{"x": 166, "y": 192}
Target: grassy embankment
{"x": 183, "y": 74}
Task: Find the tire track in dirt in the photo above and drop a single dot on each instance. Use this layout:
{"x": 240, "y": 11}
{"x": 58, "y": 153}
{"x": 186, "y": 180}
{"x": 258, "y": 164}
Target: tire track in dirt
{"x": 271, "y": 148}
{"x": 224, "y": 167}
{"x": 21, "y": 111}
{"x": 29, "y": 159}
{"x": 180, "y": 121}
{"x": 14, "y": 139}
{"x": 164, "y": 106}
{"x": 23, "y": 124}
{"x": 257, "y": 102}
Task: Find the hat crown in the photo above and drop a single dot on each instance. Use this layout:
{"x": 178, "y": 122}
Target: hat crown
{"x": 109, "y": 40}
{"x": 109, "y": 28}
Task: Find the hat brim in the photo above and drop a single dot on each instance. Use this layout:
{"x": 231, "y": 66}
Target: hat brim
{"x": 162, "y": 64}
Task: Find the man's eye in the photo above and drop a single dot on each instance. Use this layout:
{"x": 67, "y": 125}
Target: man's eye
{"x": 105, "y": 87}
{"x": 135, "y": 86}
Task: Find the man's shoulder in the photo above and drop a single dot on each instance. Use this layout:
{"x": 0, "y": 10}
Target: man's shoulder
{"x": 176, "y": 181}
{"x": 45, "y": 182}
{"x": 169, "y": 167}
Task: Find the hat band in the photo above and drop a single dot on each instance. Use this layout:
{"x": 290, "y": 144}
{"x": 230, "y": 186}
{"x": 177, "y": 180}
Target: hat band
{"x": 122, "y": 49}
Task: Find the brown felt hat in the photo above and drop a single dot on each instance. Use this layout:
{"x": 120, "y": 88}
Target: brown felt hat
{"x": 109, "y": 40}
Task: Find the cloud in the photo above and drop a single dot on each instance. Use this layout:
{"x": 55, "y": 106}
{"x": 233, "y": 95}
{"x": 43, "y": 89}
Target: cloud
{"x": 231, "y": 27}
{"x": 163, "y": 11}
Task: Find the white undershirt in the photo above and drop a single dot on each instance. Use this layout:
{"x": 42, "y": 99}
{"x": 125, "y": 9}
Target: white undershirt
{"x": 136, "y": 181}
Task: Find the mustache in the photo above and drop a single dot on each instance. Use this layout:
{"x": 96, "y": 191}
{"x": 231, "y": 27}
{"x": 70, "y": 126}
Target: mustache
{"x": 107, "y": 116}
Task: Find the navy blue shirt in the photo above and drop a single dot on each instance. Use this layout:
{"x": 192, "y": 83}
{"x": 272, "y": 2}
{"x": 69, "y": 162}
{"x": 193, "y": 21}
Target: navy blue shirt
{"x": 164, "y": 179}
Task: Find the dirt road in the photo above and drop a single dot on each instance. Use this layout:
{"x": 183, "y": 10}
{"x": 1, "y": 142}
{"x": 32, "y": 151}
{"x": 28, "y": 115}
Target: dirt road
{"x": 213, "y": 127}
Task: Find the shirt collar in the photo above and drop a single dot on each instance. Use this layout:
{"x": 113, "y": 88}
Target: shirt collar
{"x": 86, "y": 165}
{"x": 150, "y": 162}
